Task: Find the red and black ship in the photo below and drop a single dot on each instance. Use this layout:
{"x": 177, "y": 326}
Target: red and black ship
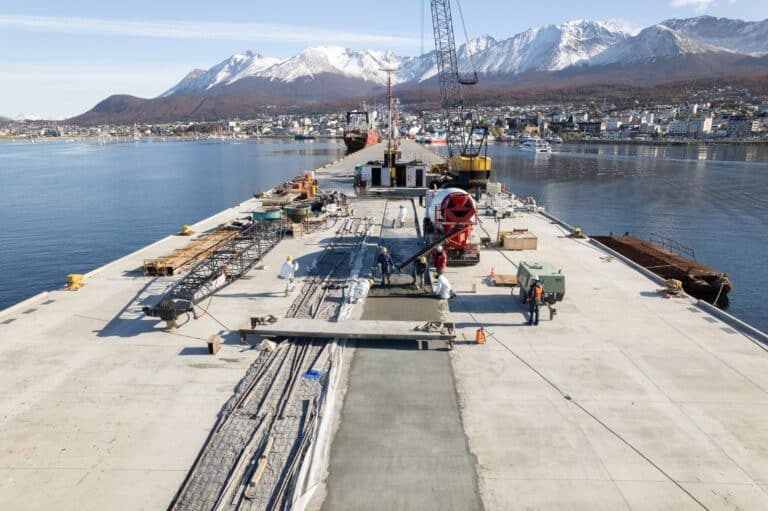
{"x": 359, "y": 133}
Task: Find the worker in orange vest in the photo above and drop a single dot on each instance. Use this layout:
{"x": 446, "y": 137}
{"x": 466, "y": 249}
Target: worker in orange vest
{"x": 535, "y": 294}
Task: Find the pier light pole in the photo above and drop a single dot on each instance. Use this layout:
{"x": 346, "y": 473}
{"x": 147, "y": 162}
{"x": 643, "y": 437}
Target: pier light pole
{"x": 390, "y": 155}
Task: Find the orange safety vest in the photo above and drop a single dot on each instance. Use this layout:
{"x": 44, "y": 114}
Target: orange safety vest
{"x": 537, "y": 291}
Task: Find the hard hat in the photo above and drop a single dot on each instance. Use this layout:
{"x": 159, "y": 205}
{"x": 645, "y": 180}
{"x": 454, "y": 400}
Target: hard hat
{"x": 289, "y": 258}
{"x": 383, "y": 250}
{"x": 423, "y": 259}
{"x": 439, "y": 248}
{"x": 535, "y": 277}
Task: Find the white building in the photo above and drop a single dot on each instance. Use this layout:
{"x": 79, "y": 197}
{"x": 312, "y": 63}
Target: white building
{"x": 700, "y": 126}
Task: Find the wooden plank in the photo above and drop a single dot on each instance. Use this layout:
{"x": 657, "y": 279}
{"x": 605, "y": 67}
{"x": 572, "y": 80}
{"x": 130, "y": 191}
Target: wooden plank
{"x": 505, "y": 280}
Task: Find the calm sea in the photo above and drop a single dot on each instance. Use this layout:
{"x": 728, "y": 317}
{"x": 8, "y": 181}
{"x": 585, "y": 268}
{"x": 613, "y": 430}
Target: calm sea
{"x": 713, "y": 199}
{"x": 71, "y": 207}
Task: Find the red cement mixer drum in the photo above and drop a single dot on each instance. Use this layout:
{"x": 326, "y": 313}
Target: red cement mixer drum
{"x": 448, "y": 208}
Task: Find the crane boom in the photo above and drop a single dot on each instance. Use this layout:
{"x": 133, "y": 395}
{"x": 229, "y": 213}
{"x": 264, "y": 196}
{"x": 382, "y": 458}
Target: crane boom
{"x": 445, "y": 49}
{"x": 467, "y": 138}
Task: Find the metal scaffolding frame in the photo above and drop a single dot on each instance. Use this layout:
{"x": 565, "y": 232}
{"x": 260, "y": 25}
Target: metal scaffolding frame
{"x": 229, "y": 261}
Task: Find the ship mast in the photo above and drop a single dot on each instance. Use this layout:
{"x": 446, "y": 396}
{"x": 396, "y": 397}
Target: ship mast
{"x": 390, "y": 155}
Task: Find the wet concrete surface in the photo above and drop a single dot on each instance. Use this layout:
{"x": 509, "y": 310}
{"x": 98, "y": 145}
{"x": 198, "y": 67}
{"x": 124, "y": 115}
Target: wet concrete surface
{"x": 401, "y": 444}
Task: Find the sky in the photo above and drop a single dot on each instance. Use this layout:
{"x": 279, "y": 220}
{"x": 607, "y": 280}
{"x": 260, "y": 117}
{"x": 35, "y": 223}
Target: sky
{"x": 60, "y": 58}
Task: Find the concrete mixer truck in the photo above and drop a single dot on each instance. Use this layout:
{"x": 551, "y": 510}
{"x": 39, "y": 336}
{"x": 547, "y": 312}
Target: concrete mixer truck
{"x": 452, "y": 212}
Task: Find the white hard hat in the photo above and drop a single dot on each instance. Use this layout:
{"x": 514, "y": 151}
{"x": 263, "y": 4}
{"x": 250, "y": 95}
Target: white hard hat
{"x": 534, "y": 277}
{"x": 439, "y": 248}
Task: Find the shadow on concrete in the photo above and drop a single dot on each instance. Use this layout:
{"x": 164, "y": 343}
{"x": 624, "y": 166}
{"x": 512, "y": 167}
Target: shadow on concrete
{"x": 393, "y": 345}
{"x": 471, "y": 303}
{"x": 268, "y": 294}
{"x": 486, "y": 325}
{"x": 194, "y": 351}
{"x": 135, "y": 324}
{"x": 651, "y": 294}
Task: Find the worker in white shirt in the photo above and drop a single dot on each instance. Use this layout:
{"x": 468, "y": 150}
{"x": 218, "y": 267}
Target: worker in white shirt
{"x": 443, "y": 288}
{"x": 402, "y": 215}
{"x": 288, "y": 272}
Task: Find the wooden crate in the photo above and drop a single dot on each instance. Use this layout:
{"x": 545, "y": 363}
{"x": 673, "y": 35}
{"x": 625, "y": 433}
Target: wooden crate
{"x": 525, "y": 241}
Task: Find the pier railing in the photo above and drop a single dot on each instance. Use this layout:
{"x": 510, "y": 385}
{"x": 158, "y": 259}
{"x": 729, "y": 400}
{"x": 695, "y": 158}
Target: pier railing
{"x": 672, "y": 246}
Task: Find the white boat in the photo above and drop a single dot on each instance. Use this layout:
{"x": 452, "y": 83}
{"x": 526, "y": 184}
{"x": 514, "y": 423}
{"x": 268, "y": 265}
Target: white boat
{"x": 439, "y": 138}
{"x": 535, "y": 145}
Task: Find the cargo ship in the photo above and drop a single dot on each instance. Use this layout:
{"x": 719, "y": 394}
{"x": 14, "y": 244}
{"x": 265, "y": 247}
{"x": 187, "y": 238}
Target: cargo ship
{"x": 359, "y": 133}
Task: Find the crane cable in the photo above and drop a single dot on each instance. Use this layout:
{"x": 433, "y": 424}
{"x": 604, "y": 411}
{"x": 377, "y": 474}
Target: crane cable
{"x": 466, "y": 39}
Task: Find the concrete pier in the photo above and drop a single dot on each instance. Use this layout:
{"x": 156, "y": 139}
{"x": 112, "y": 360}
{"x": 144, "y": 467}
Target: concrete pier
{"x": 626, "y": 400}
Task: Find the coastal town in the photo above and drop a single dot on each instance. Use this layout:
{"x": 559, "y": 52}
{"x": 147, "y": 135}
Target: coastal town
{"x": 722, "y": 114}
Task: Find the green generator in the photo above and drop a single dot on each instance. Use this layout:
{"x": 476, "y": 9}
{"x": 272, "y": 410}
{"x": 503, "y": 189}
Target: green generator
{"x": 551, "y": 279}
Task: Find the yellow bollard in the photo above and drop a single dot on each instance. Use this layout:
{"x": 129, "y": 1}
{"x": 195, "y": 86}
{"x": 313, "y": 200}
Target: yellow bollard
{"x": 75, "y": 281}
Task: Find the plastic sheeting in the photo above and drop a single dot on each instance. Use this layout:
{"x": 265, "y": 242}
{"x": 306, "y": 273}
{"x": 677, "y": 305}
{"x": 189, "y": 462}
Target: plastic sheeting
{"x": 315, "y": 463}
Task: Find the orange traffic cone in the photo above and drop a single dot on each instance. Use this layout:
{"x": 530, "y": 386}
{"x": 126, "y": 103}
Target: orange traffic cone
{"x": 480, "y": 336}
{"x": 492, "y": 274}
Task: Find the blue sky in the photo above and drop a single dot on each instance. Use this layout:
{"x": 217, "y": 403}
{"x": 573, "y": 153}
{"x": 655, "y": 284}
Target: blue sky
{"x": 60, "y": 58}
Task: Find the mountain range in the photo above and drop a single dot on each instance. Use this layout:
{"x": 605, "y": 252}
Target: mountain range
{"x": 573, "y": 54}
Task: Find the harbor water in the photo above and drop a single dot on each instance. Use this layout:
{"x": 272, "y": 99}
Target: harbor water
{"x": 69, "y": 207}
{"x": 713, "y": 199}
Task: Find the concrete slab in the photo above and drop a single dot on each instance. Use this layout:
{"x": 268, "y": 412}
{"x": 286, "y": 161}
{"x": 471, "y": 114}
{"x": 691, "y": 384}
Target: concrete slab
{"x": 401, "y": 444}
{"x": 102, "y": 405}
{"x": 351, "y": 329}
{"x": 645, "y": 375}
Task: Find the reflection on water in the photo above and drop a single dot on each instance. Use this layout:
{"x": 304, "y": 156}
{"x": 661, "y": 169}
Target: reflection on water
{"x": 68, "y": 207}
{"x": 712, "y": 198}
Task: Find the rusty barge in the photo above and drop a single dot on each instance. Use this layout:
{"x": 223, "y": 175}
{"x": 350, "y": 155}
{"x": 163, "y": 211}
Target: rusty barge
{"x": 670, "y": 260}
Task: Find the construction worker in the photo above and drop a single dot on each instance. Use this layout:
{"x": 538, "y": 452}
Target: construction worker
{"x": 386, "y": 263}
{"x": 440, "y": 259}
{"x": 443, "y": 288}
{"x": 419, "y": 269}
{"x": 288, "y": 272}
{"x": 535, "y": 294}
{"x": 402, "y": 215}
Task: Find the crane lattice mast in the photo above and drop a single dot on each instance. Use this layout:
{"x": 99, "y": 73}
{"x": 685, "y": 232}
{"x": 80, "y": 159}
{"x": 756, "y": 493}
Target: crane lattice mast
{"x": 460, "y": 141}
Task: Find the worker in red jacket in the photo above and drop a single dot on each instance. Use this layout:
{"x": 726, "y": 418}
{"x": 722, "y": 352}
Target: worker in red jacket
{"x": 440, "y": 260}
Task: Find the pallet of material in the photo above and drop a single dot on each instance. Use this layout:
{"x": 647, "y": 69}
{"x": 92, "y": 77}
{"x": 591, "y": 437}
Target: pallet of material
{"x": 181, "y": 258}
{"x": 282, "y": 200}
{"x": 504, "y": 280}
{"x": 521, "y": 241}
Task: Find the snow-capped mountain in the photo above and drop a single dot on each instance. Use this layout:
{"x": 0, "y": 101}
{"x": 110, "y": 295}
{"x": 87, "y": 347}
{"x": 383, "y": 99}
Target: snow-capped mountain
{"x": 651, "y": 43}
{"x": 551, "y": 48}
{"x": 236, "y": 67}
{"x": 743, "y": 36}
{"x": 577, "y": 53}
{"x": 366, "y": 64}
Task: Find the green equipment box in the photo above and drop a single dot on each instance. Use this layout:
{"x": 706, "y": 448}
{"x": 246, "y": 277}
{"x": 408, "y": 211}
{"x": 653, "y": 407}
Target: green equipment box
{"x": 551, "y": 279}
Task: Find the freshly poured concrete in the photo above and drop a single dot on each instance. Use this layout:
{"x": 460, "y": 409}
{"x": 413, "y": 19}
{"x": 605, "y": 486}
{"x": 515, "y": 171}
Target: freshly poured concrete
{"x": 102, "y": 409}
{"x": 401, "y": 444}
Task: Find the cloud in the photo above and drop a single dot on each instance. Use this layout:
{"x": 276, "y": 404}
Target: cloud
{"x": 700, "y": 5}
{"x": 177, "y": 29}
